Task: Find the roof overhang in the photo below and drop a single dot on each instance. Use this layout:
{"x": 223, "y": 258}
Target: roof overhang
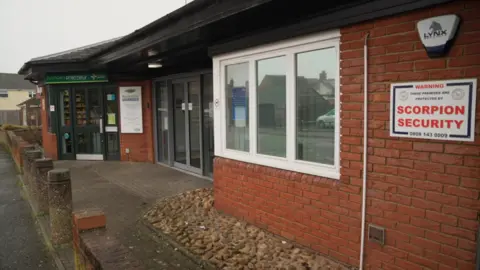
{"x": 187, "y": 37}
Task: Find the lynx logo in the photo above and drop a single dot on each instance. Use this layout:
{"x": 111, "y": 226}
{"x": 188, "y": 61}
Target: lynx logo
{"x": 437, "y": 33}
{"x": 436, "y": 30}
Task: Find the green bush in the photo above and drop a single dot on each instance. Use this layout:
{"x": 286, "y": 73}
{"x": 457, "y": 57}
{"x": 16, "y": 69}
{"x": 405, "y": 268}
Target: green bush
{"x": 13, "y": 127}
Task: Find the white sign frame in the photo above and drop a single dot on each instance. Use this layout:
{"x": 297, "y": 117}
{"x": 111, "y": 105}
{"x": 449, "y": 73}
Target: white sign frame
{"x": 131, "y": 118}
{"x": 431, "y": 99}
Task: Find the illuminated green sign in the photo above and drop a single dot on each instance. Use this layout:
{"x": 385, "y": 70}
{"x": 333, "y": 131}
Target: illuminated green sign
{"x": 76, "y": 78}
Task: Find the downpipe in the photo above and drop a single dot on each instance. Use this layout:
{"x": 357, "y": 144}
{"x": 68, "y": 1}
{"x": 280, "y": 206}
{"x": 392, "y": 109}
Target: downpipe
{"x": 365, "y": 144}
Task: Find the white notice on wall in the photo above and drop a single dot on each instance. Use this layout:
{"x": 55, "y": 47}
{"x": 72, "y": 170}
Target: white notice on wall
{"x": 441, "y": 110}
{"x": 131, "y": 109}
{"x": 52, "y": 108}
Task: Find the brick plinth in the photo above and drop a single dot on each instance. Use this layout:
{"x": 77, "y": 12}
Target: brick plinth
{"x": 140, "y": 145}
{"x": 425, "y": 193}
{"x": 49, "y": 139}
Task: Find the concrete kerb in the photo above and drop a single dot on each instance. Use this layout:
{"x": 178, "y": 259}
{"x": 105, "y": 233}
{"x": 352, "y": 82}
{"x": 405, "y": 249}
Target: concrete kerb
{"x": 202, "y": 263}
{"x": 43, "y": 230}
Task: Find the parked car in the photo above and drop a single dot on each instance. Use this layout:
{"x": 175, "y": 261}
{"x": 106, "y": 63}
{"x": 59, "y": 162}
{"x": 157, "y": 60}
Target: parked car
{"x": 327, "y": 120}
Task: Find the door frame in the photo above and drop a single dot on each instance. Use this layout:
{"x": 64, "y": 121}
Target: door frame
{"x": 58, "y": 128}
{"x": 168, "y": 80}
{"x": 188, "y": 134}
{"x": 87, "y": 128}
{"x": 55, "y": 90}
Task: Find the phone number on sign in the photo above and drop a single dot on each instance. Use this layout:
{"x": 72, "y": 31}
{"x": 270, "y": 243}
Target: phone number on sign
{"x": 428, "y": 134}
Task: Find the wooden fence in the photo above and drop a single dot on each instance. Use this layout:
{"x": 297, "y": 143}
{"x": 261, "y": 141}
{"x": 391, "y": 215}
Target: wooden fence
{"x": 10, "y": 117}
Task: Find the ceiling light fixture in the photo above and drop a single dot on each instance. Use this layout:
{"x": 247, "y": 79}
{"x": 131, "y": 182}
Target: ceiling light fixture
{"x": 154, "y": 65}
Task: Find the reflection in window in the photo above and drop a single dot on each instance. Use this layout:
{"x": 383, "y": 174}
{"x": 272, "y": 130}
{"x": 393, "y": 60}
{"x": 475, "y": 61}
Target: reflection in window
{"x": 315, "y": 105}
{"x": 94, "y": 107}
{"x": 82, "y": 143}
{"x": 162, "y": 118}
{"x": 237, "y": 107}
{"x": 67, "y": 143}
{"x": 64, "y": 111}
{"x": 80, "y": 108}
{"x": 271, "y": 107}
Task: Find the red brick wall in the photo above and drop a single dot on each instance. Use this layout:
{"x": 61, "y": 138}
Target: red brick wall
{"x": 140, "y": 145}
{"x": 49, "y": 140}
{"x": 424, "y": 192}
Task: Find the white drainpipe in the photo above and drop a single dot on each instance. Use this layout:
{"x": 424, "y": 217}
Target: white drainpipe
{"x": 365, "y": 143}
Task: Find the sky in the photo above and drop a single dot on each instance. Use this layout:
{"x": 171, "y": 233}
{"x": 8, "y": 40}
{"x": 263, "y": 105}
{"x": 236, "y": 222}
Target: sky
{"x": 33, "y": 28}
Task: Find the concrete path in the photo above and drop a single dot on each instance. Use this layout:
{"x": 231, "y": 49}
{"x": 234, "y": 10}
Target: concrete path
{"x": 21, "y": 246}
{"x": 124, "y": 190}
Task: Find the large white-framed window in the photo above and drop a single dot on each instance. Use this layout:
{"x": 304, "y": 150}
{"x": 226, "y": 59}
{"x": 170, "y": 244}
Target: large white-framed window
{"x": 278, "y": 105}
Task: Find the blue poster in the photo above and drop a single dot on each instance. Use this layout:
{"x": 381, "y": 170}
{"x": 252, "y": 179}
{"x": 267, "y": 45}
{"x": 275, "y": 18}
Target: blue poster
{"x": 239, "y": 103}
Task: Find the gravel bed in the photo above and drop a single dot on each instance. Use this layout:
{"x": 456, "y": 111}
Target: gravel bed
{"x": 226, "y": 242}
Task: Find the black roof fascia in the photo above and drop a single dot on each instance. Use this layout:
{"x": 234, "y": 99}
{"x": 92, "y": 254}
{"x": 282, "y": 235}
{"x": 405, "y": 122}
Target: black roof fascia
{"x": 185, "y": 19}
{"x": 340, "y": 17}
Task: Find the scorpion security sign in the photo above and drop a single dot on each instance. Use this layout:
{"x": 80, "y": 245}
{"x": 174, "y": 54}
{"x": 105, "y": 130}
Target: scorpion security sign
{"x": 443, "y": 110}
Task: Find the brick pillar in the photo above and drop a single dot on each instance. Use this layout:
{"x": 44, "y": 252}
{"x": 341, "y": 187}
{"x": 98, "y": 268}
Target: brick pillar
{"x": 31, "y": 184}
{"x": 21, "y": 145}
{"x": 42, "y": 166}
{"x": 60, "y": 205}
{"x": 30, "y": 156}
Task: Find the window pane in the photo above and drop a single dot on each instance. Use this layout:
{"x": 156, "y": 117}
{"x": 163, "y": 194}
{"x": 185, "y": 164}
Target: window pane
{"x": 237, "y": 107}
{"x": 315, "y": 105}
{"x": 94, "y": 107}
{"x": 271, "y": 107}
{"x": 64, "y": 110}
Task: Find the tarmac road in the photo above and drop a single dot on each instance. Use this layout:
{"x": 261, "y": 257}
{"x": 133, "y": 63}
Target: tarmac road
{"x": 21, "y": 246}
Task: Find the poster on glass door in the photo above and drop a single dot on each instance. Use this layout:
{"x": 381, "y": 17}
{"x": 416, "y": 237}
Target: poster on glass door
{"x": 131, "y": 109}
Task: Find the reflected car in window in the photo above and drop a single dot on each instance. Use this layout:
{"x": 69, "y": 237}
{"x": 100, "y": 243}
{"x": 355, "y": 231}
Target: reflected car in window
{"x": 327, "y": 120}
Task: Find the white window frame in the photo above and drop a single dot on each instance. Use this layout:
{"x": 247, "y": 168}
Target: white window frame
{"x": 289, "y": 48}
{"x": 4, "y": 91}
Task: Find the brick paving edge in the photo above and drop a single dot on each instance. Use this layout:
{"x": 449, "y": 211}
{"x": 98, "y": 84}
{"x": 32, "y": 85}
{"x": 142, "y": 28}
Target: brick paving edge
{"x": 58, "y": 262}
{"x": 202, "y": 263}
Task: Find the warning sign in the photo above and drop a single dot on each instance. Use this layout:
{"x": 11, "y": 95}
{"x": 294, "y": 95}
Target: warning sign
{"x": 443, "y": 110}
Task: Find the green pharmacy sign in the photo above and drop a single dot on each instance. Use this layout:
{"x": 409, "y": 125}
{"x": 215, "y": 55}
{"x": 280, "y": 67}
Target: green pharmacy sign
{"x": 76, "y": 78}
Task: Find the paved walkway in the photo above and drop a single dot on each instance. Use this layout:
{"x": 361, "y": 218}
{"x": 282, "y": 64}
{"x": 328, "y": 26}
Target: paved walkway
{"x": 21, "y": 246}
{"x": 124, "y": 191}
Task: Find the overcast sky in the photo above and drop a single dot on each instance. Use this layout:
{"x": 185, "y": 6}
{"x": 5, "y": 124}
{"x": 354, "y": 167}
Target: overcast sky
{"x": 32, "y": 28}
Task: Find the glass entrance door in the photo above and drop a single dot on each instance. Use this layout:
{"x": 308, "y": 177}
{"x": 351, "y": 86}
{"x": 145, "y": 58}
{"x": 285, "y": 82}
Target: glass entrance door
{"x": 88, "y": 119}
{"x": 110, "y": 121}
{"x": 187, "y": 148}
{"x": 65, "y": 128}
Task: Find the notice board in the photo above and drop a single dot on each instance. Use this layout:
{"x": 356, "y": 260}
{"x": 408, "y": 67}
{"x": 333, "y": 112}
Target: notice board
{"x": 439, "y": 110}
{"x": 131, "y": 120}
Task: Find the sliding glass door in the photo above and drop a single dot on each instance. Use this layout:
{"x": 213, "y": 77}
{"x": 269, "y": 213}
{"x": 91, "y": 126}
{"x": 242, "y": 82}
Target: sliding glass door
{"x": 184, "y": 114}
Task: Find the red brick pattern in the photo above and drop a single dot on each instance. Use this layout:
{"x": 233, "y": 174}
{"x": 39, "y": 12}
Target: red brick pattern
{"x": 424, "y": 192}
{"x": 89, "y": 219}
{"x": 49, "y": 140}
{"x": 140, "y": 145}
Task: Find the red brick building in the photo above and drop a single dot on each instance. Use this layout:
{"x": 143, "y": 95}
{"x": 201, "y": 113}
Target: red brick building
{"x": 290, "y": 158}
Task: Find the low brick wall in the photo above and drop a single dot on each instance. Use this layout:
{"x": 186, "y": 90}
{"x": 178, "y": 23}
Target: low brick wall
{"x": 93, "y": 249}
{"x": 16, "y": 145}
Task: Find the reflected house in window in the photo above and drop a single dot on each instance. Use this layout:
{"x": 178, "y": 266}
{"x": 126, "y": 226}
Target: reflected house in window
{"x": 272, "y": 109}
{"x": 310, "y": 103}
{"x": 309, "y": 99}
{"x": 324, "y": 86}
